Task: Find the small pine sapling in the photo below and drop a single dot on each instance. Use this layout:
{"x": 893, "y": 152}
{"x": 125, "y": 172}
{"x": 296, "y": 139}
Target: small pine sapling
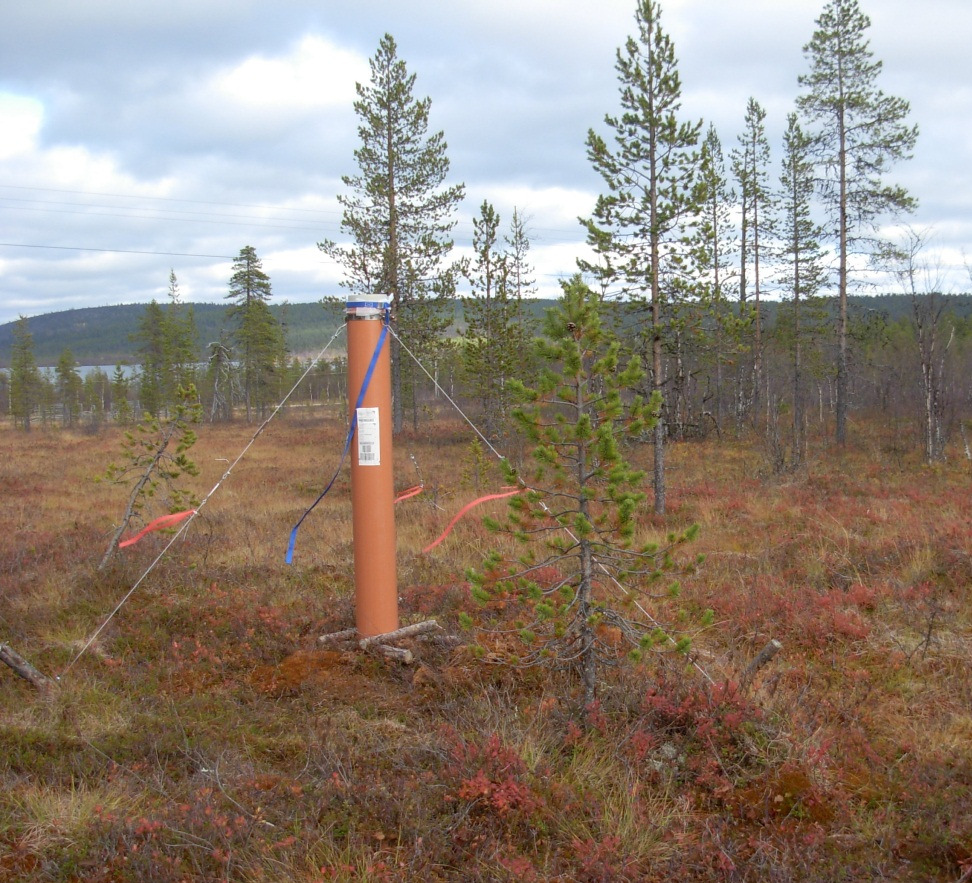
{"x": 154, "y": 455}
{"x": 574, "y": 588}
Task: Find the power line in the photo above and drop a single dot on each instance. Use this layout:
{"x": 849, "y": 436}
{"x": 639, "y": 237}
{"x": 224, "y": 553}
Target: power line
{"x": 172, "y": 254}
{"x": 565, "y": 238}
{"x": 168, "y": 199}
{"x": 160, "y": 217}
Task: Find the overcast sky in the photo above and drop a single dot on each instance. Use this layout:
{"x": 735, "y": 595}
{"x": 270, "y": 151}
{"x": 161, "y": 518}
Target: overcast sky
{"x": 191, "y": 128}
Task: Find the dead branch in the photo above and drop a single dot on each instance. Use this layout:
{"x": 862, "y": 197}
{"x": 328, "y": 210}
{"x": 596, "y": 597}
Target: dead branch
{"x": 346, "y": 636}
{"x": 762, "y": 658}
{"x": 382, "y": 643}
{"x": 408, "y": 631}
{"x": 22, "y": 667}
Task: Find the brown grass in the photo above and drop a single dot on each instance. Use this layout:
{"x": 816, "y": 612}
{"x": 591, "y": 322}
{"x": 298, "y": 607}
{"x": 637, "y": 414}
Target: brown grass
{"x": 204, "y": 736}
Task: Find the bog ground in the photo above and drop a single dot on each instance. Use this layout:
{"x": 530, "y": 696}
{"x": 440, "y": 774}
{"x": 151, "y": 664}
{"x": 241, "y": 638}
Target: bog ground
{"x": 205, "y": 736}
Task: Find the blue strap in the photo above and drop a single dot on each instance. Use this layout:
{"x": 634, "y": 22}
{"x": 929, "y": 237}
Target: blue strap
{"x": 347, "y": 442}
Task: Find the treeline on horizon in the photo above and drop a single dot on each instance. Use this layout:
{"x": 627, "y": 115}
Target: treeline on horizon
{"x": 106, "y": 335}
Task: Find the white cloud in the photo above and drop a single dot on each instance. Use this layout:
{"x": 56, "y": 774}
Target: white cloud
{"x": 316, "y": 74}
{"x": 20, "y": 121}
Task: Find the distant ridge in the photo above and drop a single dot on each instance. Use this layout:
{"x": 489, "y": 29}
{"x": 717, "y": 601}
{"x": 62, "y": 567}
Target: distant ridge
{"x": 103, "y": 335}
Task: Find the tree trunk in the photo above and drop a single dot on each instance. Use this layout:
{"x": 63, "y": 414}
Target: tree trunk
{"x": 841, "y": 429}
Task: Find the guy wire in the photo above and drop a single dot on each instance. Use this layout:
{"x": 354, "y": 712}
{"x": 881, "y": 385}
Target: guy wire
{"x": 185, "y": 525}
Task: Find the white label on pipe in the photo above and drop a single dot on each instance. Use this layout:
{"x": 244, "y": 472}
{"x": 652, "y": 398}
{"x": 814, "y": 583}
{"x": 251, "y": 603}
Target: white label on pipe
{"x": 369, "y": 444}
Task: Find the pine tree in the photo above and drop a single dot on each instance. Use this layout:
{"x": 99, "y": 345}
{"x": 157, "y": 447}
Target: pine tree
{"x": 801, "y": 257}
{"x": 180, "y": 343}
{"x": 715, "y": 245}
{"x": 398, "y": 211}
{"x": 576, "y": 517}
{"x": 520, "y": 270}
{"x": 25, "y": 379}
{"x": 638, "y": 226}
{"x": 496, "y": 338}
{"x": 751, "y": 166}
{"x": 258, "y": 337}
{"x": 858, "y": 133}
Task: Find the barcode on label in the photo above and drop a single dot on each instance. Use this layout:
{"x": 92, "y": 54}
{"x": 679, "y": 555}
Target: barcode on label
{"x": 369, "y": 438}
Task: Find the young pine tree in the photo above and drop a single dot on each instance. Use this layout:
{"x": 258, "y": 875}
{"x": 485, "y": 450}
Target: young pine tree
{"x": 154, "y": 458}
{"x": 575, "y": 517}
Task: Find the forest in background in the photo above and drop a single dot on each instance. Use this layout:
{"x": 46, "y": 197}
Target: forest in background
{"x": 106, "y": 335}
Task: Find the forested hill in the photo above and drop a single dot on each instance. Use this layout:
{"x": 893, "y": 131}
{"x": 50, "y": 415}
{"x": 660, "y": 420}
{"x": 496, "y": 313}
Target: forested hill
{"x": 104, "y": 335}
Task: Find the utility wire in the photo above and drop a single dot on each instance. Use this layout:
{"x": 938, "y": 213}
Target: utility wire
{"x": 157, "y": 217}
{"x": 167, "y": 199}
{"x": 173, "y": 254}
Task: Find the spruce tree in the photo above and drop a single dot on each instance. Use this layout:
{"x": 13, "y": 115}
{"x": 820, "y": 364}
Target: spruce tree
{"x": 120, "y": 388}
{"x": 638, "y": 225}
{"x": 25, "y": 379}
{"x": 858, "y": 132}
{"x": 398, "y": 211}
{"x": 69, "y": 387}
{"x": 95, "y": 397}
{"x": 519, "y": 270}
{"x": 153, "y": 360}
{"x": 257, "y": 335}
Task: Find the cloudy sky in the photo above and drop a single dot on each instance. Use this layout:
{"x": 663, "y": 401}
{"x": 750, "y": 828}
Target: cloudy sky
{"x": 140, "y": 136}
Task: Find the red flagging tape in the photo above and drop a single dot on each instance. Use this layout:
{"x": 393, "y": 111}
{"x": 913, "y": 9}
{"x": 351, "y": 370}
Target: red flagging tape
{"x": 158, "y": 524}
{"x": 464, "y": 510}
{"x": 411, "y": 492}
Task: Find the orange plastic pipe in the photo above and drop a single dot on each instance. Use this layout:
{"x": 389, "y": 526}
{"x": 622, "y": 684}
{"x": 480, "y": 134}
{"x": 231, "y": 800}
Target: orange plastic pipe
{"x": 372, "y": 477}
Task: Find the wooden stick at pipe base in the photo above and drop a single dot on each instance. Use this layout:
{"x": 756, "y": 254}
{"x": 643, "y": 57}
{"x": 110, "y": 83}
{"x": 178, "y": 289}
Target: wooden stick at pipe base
{"x": 372, "y": 475}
